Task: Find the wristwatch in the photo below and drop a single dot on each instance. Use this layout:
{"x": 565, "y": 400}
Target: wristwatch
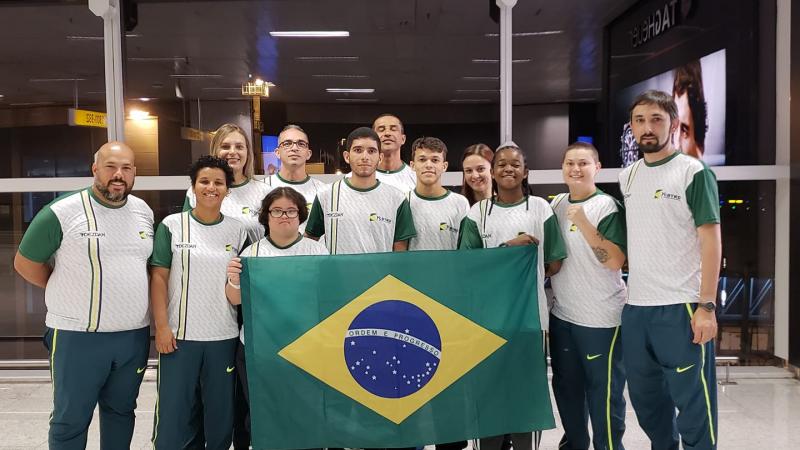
{"x": 708, "y": 306}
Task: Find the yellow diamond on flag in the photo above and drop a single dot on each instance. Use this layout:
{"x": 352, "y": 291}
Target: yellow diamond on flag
{"x": 392, "y": 349}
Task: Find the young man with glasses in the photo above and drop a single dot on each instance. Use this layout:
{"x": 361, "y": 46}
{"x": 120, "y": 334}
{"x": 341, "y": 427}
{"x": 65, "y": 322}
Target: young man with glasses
{"x": 294, "y": 150}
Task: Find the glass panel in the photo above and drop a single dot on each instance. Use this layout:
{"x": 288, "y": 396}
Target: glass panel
{"x": 22, "y": 308}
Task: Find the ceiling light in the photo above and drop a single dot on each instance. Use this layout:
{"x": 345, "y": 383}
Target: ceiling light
{"x": 196, "y": 75}
{"x": 137, "y": 114}
{"x": 33, "y": 104}
{"x": 357, "y": 100}
{"x": 309, "y": 34}
{"x": 326, "y": 58}
{"x": 469, "y": 100}
{"x": 158, "y": 58}
{"x": 98, "y": 38}
{"x": 350, "y": 91}
{"x": 495, "y": 61}
{"x": 360, "y": 77}
{"x": 144, "y": 99}
{"x": 480, "y": 78}
{"x": 2, "y": 96}
{"x": 528, "y": 34}
{"x": 49, "y": 80}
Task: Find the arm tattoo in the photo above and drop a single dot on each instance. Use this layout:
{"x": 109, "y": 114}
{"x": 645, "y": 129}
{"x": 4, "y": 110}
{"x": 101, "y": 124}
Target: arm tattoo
{"x": 600, "y": 254}
{"x": 600, "y": 236}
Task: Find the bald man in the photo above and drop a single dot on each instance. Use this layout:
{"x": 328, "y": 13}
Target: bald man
{"x": 89, "y": 250}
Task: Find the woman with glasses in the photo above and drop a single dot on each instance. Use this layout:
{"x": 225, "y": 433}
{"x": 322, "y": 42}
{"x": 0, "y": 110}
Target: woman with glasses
{"x": 294, "y": 150}
{"x": 282, "y": 212}
{"x": 195, "y": 326}
{"x": 244, "y": 198}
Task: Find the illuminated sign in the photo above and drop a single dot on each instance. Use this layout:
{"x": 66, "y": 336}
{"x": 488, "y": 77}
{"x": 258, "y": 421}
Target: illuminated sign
{"x": 85, "y": 118}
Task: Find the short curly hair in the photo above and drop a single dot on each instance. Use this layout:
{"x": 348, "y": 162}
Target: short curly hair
{"x": 208, "y": 161}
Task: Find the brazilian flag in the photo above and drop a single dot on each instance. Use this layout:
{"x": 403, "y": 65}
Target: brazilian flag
{"x": 393, "y": 349}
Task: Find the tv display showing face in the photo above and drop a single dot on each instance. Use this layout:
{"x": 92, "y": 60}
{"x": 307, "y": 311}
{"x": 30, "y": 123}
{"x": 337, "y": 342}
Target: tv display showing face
{"x": 699, "y": 90}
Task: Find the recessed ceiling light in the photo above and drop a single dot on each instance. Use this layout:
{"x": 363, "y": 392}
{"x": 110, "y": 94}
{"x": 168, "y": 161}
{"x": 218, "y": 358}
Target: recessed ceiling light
{"x": 33, "y": 104}
{"x": 196, "y": 75}
{"x": 528, "y": 34}
{"x": 144, "y": 99}
{"x": 50, "y": 80}
{"x": 359, "y": 77}
{"x": 469, "y": 100}
{"x": 480, "y": 78}
{"x": 351, "y": 91}
{"x": 98, "y": 38}
{"x": 158, "y": 58}
{"x": 326, "y": 58}
{"x": 357, "y": 100}
{"x": 309, "y": 34}
{"x": 495, "y": 61}
{"x": 2, "y": 96}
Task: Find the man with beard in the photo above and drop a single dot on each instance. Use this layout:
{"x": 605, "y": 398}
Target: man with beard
{"x": 392, "y": 170}
{"x": 674, "y": 251}
{"x": 89, "y": 250}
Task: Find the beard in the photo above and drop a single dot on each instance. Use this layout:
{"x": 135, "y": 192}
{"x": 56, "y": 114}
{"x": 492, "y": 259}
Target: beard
{"x": 111, "y": 196}
{"x": 652, "y": 148}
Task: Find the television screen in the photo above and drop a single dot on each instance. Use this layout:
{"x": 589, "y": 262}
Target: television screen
{"x": 699, "y": 90}
{"x": 271, "y": 161}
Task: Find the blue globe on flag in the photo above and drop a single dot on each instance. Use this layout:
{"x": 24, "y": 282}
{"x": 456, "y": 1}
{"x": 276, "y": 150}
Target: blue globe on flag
{"x": 392, "y": 348}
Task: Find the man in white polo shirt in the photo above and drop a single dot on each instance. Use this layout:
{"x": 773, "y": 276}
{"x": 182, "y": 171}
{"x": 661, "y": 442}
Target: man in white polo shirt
{"x": 89, "y": 250}
{"x": 674, "y": 251}
{"x": 392, "y": 170}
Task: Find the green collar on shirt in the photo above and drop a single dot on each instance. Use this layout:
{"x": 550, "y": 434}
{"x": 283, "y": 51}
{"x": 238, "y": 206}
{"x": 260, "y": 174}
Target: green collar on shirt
{"x": 299, "y": 238}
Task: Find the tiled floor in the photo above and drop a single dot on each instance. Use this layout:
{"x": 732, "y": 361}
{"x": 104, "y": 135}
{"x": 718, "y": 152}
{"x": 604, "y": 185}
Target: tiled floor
{"x": 761, "y": 412}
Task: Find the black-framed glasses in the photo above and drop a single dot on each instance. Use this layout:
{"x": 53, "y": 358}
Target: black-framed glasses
{"x": 289, "y": 213}
{"x": 287, "y": 144}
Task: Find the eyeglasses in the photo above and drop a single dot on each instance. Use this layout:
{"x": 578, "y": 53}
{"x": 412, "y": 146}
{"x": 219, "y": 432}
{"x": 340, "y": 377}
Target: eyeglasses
{"x": 287, "y": 144}
{"x": 278, "y": 213}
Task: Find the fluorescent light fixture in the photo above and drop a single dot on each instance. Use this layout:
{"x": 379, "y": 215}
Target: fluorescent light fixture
{"x": 144, "y": 99}
{"x": 98, "y": 38}
{"x": 137, "y": 114}
{"x": 469, "y": 100}
{"x": 495, "y": 61}
{"x": 158, "y": 58}
{"x": 474, "y": 91}
{"x": 327, "y": 58}
{"x": 33, "y": 104}
{"x": 528, "y": 33}
{"x": 195, "y": 75}
{"x": 632, "y": 55}
{"x": 357, "y": 100}
{"x": 350, "y": 91}
{"x": 480, "y": 78}
{"x": 309, "y": 34}
{"x": 344, "y": 77}
{"x": 53, "y": 80}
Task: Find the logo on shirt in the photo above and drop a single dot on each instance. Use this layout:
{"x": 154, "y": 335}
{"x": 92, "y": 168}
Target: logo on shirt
{"x": 573, "y": 227}
{"x": 248, "y": 211}
{"x": 92, "y": 234}
{"x": 185, "y": 246}
{"x": 145, "y": 235}
{"x": 444, "y": 226}
{"x": 486, "y": 235}
{"x": 334, "y": 214}
{"x": 228, "y": 247}
{"x": 374, "y": 217}
{"x": 660, "y": 194}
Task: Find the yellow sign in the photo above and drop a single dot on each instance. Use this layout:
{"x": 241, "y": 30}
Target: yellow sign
{"x": 85, "y": 118}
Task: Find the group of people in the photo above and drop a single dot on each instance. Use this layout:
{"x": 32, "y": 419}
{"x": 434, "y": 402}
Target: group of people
{"x": 92, "y": 251}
